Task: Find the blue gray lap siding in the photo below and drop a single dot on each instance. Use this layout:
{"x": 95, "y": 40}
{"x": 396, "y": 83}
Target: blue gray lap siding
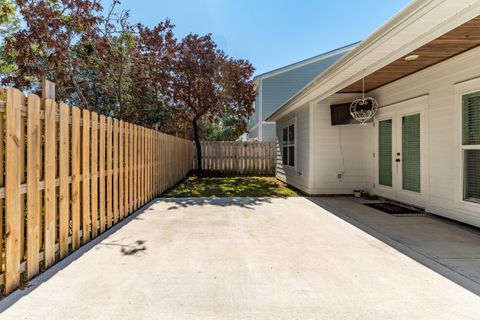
{"x": 277, "y": 89}
{"x": 277, "y": 86}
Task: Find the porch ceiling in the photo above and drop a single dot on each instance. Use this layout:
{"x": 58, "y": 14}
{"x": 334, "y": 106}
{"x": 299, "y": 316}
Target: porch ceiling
{"x": 454, "y": 42}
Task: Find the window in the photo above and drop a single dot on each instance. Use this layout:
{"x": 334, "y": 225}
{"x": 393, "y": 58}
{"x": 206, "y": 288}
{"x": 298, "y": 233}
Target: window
{"x": 288, "y": 154}
{"x": 471, "y": 146}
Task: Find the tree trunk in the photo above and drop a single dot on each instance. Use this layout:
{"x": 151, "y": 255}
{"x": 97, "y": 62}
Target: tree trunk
{"x": 197, "y": 144}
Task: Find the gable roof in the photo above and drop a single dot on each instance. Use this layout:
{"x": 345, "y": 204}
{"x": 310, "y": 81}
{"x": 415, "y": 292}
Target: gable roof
{"x": 304, "y": 62}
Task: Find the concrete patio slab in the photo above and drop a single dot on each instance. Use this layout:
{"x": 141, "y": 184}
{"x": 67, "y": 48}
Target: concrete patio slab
{"x": 243, "y": 258}
{"x": 449, "y": 247}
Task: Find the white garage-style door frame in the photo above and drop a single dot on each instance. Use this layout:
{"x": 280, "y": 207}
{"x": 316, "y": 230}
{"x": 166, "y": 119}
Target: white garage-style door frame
{"x": 400, "y": 155}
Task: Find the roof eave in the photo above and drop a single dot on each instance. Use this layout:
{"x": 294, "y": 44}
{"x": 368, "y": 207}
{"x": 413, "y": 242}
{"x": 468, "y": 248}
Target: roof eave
{"x": 405, "y": 17}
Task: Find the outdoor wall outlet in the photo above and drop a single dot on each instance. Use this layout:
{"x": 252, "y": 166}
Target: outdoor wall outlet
{"x": 300, "y": 173}
{"x": 339, "y": 176}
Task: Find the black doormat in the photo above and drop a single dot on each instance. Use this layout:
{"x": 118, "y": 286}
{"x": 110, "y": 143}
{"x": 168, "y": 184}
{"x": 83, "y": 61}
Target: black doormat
{"x": 396, "y": 210}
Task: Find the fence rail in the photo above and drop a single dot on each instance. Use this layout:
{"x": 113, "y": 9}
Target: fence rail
{"x": 67, "y": 175}
{"x": 239, "y": 157}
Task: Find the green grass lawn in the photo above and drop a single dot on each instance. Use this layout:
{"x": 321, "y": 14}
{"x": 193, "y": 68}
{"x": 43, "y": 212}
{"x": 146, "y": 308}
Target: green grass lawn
{"x": 231, "y": 187}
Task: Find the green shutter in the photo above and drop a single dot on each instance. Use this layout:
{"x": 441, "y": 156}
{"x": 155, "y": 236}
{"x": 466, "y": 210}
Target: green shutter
{"x": 472, "y": 175}
{"x": 411, "y": 152}
{"x": 385, "y": 152}
{"x": 471, "y": 118}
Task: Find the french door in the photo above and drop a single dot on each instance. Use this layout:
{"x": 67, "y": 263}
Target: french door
{"x": 399, "y": 155}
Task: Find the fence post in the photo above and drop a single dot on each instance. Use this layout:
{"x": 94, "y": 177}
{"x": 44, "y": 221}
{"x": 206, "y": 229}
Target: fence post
{"x": 48, "y": 89}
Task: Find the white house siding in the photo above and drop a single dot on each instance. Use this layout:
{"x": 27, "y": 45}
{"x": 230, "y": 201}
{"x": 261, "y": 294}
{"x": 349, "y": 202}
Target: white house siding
{"x": 328, "y": 144}
{"x": 438, "y": 82}
{"x": 300, "y": 175}
{"x": 269, "y": 132}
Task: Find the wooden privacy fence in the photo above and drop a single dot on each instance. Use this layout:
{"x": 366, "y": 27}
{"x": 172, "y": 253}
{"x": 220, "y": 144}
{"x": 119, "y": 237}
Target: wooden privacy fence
{"x": 67, "y": 175}
{"x": 239, "y": 157}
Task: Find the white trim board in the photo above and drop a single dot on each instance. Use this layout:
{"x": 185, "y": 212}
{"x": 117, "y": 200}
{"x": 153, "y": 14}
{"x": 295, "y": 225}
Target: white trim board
{"x": 305, "y": 62}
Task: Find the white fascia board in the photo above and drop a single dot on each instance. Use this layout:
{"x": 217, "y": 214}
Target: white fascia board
{"x": 416, "y": 25}
{"x": 305, "y": 62}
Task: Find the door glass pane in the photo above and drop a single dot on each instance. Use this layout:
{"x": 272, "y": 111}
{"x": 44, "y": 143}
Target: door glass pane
{"x": 291, "y": 134}
{"x": 285, "y": 135}
{"x": 285, "y": 155}
{"x": 411, "y": 152}
{"x": 471, "y": 118}
{"x": 385, "y": 152}
{"x": 291, "y": 156}
{"x": 472, "y": 175}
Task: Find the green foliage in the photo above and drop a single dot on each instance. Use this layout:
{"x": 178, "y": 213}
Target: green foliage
{"x": 231, "y": 187}
{"x": 9, "y": 20}
{"x": 224, "y": 129}
{"x": 9, "y": 24}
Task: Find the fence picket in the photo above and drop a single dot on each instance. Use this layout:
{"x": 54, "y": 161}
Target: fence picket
{"x": 125, "y": 169}
{"x": 85, "y": 176}
{"x": 50, "y": 188}
{"x": 101, "y": 173}
{"x": 13, "y": 215}
{"x": 94, "y": 173}
{"x": 115, "y": 171}
{"x": 75, "y": 178}
{"x": 2, "y": 183}
{"x": 130, "y": 168}
{"x": 22, "y": 177}
{"x": 33, "y": 176}
{"x": 109, "y": 172}
{"x": 121, "y": 163}
{"x": 64, "y": 185}
{"x": 135, "y": 168}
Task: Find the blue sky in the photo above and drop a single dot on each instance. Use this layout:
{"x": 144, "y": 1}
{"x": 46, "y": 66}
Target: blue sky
{"x": 270, "y": 33}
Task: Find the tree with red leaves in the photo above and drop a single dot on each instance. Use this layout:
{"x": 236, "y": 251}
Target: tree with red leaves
{"x": 152, "y": 75}
{"x": 45, "y": 47}
{"x": 208, "y": 85}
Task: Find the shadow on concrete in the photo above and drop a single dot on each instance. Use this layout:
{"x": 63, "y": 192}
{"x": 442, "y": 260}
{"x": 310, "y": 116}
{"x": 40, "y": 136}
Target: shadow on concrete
{"x": 242, "y": 202}
{"x": 126, "y": 249}
{"x": 417, "y": 248}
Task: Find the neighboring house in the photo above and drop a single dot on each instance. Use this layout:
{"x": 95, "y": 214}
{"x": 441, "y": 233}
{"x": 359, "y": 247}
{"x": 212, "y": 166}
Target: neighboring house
{"x": 423, "y": 147}
{"x": 277, "y": 86}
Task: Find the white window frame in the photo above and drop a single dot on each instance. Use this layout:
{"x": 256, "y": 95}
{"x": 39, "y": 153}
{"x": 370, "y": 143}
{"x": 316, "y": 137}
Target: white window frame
{"x": 294, "y": 144}
{"x": 461, "y": 89}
